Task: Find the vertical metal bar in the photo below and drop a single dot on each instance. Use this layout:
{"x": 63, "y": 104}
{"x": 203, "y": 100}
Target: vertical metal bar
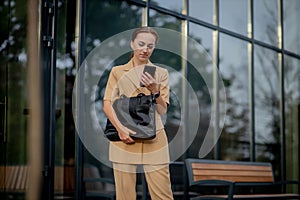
{"x": 79, "y": 57}
{"x": 145, "y": 14}
{"x": 282, "y": 99}
{"x": 53, "y": 96}
{"x": 48, "y": 65}
{"x": 184, "y": 70}
{"x": 185, "y": 92}
{"x": 35, "y": 126}
{"x": 216, "y": 50}
{"x": 251, "y": 81}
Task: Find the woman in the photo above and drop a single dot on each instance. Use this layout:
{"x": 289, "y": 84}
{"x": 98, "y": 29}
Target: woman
{"x": 127, "y": 154}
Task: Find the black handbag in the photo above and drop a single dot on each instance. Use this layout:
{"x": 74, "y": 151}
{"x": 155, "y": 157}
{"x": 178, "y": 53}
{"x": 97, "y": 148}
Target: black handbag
{"x": 136, "y": 113}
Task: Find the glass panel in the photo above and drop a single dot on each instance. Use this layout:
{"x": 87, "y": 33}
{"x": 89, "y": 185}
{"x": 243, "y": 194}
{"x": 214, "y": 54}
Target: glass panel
{"x": 64, "y": 181}
{"x": 158, "y": 19}
{"x": 172, "y": 61}
{"x": 104, "y": 20}
{"x": 234, "y": 15}
{"x": 176, "y": 5}
{"x": 292, "y": 117}
{"x": 14, "y": 112}
{"x": 122, "y": 16}
{"x": 267, "y": 112}
{"x": 201, "y": 9}
{"x": 235, "y": 144}
{"x": 291, "y": 25}
{"x": 266, "y": 21}
{"x": 203, "y": 36}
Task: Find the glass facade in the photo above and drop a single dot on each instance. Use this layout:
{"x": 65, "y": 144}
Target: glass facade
{"x": 267, "y": 107}
{"x": 234, "y": 68}
{"x": 254, "y": 45}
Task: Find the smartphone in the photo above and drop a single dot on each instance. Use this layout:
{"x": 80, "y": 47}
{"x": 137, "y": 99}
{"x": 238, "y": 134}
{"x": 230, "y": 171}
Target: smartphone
{"x": 150, "y": 70}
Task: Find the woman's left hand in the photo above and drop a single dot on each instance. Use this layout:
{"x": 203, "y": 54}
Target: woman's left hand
{"x": 149, "y": 82}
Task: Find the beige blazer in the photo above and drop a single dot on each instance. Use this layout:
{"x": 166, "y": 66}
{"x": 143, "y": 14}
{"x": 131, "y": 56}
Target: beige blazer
{"x": 125, "y": 79}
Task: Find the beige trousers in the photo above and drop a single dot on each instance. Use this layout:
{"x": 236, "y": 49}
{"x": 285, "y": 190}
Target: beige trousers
{"x": 157, "y": 177}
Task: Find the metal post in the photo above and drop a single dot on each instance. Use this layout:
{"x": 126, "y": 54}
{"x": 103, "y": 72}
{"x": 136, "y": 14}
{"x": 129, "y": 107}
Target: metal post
{"x": 35, "y": 127}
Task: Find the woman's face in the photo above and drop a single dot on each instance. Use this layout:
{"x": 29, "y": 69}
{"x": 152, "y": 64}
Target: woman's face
{"x": 143, "y": 46}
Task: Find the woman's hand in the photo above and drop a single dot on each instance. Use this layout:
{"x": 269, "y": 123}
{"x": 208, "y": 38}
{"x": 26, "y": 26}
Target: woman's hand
{"x": 122, "y": 130}
{"x": 124, "y": 134}
{"x": 149, "y": 82}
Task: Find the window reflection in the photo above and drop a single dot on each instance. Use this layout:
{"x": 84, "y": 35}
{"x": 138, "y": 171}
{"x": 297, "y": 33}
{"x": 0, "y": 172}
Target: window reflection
{"x": 292, "y": 116}
{"x": 202, "y": 35}
{"x": 176, "y": 5}
{"x": 234, "y": 15}
{"x": 235, "y": 144}
{"x": 267, "y": 102}
{"x": 105, "y": 19}
{"x": 173, "y": 63}
{"x": 158, "y": 19}
{"x": 201, "y": 9}
{"x": 14, "y": 112}
{"x": 291, "y": 25}
{"x": 266, "y": 21}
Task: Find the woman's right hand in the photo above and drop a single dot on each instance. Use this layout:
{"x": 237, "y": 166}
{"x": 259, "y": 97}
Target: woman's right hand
{"x": 123, "y": 131}
{"x": 124, "y": 134}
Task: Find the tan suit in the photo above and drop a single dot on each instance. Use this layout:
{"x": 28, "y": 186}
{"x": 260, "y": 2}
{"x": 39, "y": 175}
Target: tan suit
{"x": 153, "y": 154}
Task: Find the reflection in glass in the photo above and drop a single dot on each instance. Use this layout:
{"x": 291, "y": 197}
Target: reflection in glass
{"x": 292, "y": 117}
{"x": 202, "y": 35}
{"x": 172, "y": 62}
{"x": 158, "y": 19}
{"x": 104, "y": 20}
{"x": 201, "y": 9}
{"x": 124, "y": 17}
{"x": 267, "y": 103}
{"x": 266, "y": 21}
{"x": 235, "y": 136}
{"x": 234, "y": 15}
{"x": 176, "y": 5}
{"x": 291, "y": 25}
{"x": 14, "y": 112}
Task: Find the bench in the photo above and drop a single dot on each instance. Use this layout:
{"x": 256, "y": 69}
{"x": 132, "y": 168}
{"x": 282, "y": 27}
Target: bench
{"x": 14, "y": 181}
{"x": 216, "y": 179}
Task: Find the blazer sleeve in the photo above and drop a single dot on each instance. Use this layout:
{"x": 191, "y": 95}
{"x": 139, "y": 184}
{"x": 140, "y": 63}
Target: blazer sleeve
{"x": 111, "y": 90}
{"x": 164, "y": 86}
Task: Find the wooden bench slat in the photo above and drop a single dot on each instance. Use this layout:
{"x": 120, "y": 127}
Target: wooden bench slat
{"x": 8, "y": 177}
{"x": 231, "y": 167}
{"x": 58, "y": 178}
{"x": 24, "y": 183}
{"x": 69, "y": 183}
{"x": 233, "y": 178}
{"x": 20, "y": 178}
{"x": 11, "y": 181}
{"x": 232, "y": 172}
